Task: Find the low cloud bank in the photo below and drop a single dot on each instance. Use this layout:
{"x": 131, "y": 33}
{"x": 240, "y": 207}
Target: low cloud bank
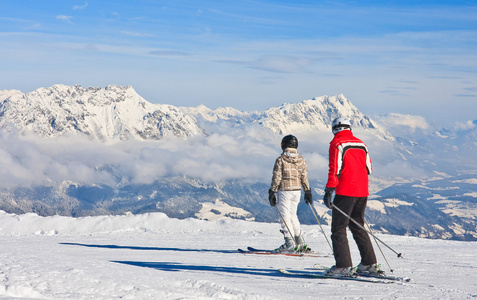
{"x": 27, "y": 160}
{"x": 241, "y": 154}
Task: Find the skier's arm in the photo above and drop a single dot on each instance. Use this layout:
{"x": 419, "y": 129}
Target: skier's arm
{"x": 304, "y": 177}
{"x": 369, "y": 164}
{"x": 277, "y": 175}
{"x": 333, "y": 167}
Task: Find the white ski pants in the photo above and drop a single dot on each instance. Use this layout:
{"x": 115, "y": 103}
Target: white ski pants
{"x": 287, "y": 204}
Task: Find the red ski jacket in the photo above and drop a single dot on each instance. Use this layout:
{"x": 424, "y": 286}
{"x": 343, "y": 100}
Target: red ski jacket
{"x": 349, "y": 165}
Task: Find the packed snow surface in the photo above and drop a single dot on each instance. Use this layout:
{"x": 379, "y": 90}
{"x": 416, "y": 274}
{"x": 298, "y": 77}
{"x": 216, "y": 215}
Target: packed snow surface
{"x": 151, "y": 256}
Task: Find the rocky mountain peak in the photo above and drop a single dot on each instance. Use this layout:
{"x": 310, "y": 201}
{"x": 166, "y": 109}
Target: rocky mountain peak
{"x": 111, "y": 113}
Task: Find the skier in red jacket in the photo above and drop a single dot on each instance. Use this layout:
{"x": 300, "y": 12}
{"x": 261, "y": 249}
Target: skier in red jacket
{"x": 349, "y": 167}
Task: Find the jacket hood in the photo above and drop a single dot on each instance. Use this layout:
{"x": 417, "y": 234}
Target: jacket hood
{"x": 291, "y": 155}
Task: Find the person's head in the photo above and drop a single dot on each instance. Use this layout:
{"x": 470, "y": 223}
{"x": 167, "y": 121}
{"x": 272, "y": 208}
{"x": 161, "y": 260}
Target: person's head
{"x": 289, "y": 141}
{"x": 340, "y": 124}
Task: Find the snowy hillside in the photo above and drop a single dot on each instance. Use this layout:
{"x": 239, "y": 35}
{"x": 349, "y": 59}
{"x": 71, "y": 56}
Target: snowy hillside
{"x": 151, "y": 256}
{"x": 112, "y": 113}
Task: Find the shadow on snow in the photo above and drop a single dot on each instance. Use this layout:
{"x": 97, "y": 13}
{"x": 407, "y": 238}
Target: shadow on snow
{"x": 148, "y": 248}
{"x": 175, "y": 267}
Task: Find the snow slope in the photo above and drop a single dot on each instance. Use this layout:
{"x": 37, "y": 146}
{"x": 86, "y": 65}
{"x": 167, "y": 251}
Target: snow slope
{"x": 151, "y": 256}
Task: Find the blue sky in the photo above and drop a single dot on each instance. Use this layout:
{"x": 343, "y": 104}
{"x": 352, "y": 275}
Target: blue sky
{"x": 411, "y": 57}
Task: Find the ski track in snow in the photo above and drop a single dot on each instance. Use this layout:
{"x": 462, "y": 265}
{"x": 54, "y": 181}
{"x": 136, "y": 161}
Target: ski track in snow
{"x": 152, "y": 256}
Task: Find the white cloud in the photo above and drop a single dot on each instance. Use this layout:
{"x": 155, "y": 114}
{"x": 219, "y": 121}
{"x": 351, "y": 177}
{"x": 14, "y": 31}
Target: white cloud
{"x": 245, "y": 153}
{"x": 282, "y": 64}
{"x": 64, "y": 18}
{"x": 275, "y": 63}
{"x": 168, "y": 53}
{"x": 399, "y": 169}
{"x": 466, "y": 125}
{"x": 77, "y": 7}
{"x": 136, "y": 34}
{"x": 412, "y": 121}
{"x": 30, "y": 160}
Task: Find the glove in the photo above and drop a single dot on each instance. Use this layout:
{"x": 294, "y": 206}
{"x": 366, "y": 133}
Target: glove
{"x": 272, "y": 198}
{"x": 328, "y": 196}
{"x": 308, "y": 197}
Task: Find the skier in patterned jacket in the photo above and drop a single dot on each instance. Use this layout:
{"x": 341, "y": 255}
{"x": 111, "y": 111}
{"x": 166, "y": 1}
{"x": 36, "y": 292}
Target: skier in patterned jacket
{"x": 290, "y": 175}
{"x": 349, "y": 167}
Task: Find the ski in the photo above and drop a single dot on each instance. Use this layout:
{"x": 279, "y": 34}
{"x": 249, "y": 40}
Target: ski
{"x": 276, "y": 253}
{"x": 320, "y": 275}
{"x": 379, "y": 276}
{"x": 386, "y": 277}
{"x": 261, "y": 250}
{"x": 309, "y": 253}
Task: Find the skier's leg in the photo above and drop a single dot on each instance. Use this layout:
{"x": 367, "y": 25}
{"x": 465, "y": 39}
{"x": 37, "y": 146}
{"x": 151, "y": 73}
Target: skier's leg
{"x": 283, "y": 206}
{"x": 339, "y": 224}
{"x": 361, "y": 237}
{"x": 295, "y": 223}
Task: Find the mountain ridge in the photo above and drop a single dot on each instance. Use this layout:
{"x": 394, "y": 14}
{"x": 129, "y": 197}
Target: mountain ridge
{"x": 119, "y": 113}
{"x": 111, "y": 113}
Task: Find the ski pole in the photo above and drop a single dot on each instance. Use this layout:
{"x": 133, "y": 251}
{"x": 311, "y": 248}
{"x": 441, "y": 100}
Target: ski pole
{"x": 313, "y": 211}
{"x": 381, "y": 250}
{"x": 361, "y": 226}
{"x": 288, "y": 228}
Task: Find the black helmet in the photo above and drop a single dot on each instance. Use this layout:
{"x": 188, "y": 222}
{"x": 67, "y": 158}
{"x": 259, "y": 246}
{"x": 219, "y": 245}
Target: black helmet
{"x": 289, "y": 141}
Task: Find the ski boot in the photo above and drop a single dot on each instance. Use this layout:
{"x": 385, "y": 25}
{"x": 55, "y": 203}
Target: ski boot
{"x": 301, "y": 246}
{"x": 340, "y": 272}
{"x": 374, "y": 269}
{"x": 288, "y": 246}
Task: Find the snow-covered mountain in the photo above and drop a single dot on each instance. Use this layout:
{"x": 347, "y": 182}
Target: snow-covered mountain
{"x": 308, "y": 116}
{"x": 423, "y": 184}
{"x": 119, "y": 113}
{"x": 111, "y": 113}
{"x": 4, "y": 94}
{"x": 317, "y": 115}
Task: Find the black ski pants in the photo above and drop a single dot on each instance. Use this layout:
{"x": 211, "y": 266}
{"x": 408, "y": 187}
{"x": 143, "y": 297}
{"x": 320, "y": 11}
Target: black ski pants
{"x": 353, "y": 207}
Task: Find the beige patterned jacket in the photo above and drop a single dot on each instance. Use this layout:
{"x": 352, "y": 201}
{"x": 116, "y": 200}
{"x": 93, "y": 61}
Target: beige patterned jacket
{"x": 290, "y": 172}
